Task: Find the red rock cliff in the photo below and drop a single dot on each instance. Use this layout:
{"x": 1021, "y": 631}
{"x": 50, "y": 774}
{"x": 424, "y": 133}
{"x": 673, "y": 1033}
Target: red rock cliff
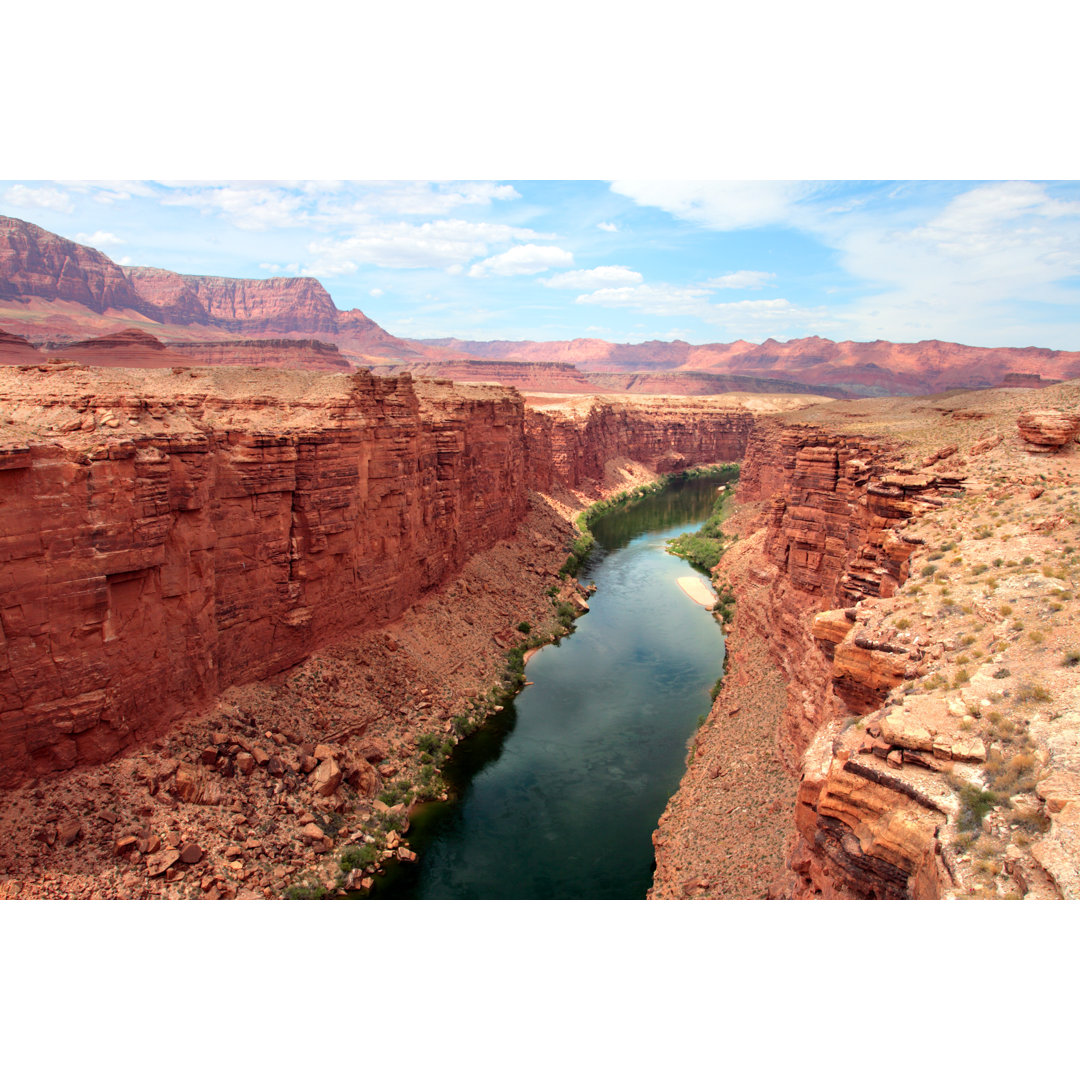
{"x": 274, "y": 305}
{"x": 571, "y": 447}
{"x": 166, "y": 534}
{"x": 834, "y": 538}
{"x": 34, "y": 262}
{"x": 197, "y": 530}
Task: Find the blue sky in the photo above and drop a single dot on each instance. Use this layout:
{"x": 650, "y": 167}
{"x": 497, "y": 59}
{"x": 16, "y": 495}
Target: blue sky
{"x": 983, "y": 263}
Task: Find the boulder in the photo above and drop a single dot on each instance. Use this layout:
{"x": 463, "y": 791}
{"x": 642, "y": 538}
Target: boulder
{"x": 1047, "y": 430}
{"x": 312, "y": 834}
{"x": 326, "y": 778}
{"x": 191, "y": 854}
{"x": 68, "y": 830}
{"x": 161, "y": 861}
{"x": 192, "y": 785}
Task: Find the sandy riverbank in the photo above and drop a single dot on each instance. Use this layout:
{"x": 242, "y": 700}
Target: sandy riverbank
{"x": 698, "y": 591}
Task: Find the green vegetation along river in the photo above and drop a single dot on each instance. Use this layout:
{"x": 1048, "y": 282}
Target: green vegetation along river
{"x": 558, "y": 796}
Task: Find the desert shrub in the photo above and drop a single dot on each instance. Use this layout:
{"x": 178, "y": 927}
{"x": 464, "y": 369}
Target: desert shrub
{"x": 356, "y": 858}
{"x": 975, "y": 804}
{"x": 1071, "y": 658}
{"x": 1011, "y": 775}
{"x": 902, "y": 624}
{"x": 306, "y": 892}
{"x": 565, "y": 613}
{"x": 1030, "y": 822}
{"x": 1027, "y": 693}
{"x": 428, "y": 742}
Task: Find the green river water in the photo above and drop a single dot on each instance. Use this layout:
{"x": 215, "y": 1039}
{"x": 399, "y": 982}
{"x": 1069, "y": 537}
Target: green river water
{"x": 558, "y": 796}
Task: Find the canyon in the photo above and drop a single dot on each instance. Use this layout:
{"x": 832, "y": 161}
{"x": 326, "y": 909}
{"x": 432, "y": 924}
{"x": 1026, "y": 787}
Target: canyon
{"x": 177, "y": 539}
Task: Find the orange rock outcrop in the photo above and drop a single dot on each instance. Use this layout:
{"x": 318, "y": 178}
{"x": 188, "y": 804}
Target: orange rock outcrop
{"x": 1047, "y": 430}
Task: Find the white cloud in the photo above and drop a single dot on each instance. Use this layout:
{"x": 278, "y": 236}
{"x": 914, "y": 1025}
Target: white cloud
{"x": 39, "y": 198}
{"x": 596, "y": 278}
{"x": 440, "y": 245}
{"x": 754, "y": 318}
{"x": 393, "y": 199}
{"x": 96, "y": 239}
{"x": 962, "y": 271}
{"x": 110, "y": 191}
{"x": 376, "y": 292}
{"x": 741, "y": 279}
{"x": 522, "y": 259}
{"x": 607, "y": 226}
{"x": 248, "y": 207}
{"x": 720, "y": 204}
{"x": 961, "y": 274}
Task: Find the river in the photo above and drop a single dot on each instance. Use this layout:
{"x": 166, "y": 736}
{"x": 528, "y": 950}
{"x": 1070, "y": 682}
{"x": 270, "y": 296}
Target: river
{"x": 557, "y": 797}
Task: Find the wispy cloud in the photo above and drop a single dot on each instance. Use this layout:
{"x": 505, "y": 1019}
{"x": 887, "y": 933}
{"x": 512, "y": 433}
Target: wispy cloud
{"x": 741, "y": 279}
{"x": 111, "y": 191}
{"x": 428, "y": 199}
{"x": 916, "y": 267}
{"x": 963, "y": 271}
{"x": 245, "y": 207}
{"x": 522, "y": 259}
{"x": 442, "y": 245}
{"x": 607, "y": 226}
{"x": 38, "y": 198}
{"x": 96, "y": 239}
{"x": 597, "y": 278}
{"x": 753, "y": 318}
{"x": 720, "y": 204}
{"x": 661, "y": 299}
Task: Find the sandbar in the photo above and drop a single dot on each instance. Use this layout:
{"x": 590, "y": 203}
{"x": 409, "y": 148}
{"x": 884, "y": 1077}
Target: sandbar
{"x": 698, "y": 591}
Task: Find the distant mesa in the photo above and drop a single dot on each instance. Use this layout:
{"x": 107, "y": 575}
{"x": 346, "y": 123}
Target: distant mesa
{"x": 125, "y": 348}
{"x": 122, "y": 339}
{"x": 310, "y": 354}
{"x": 15, "y": 349}
{"x": 1025, "y": 380}
{"x": 57, "y": 291}
{"x": 842, "y": 369}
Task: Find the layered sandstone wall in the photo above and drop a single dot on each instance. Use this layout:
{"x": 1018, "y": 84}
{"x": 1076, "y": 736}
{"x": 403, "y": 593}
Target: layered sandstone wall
{"x": 834, "y": 546}
{"x": 168, "y": 533}
{"x": 308, "y": 355}
{"x": 191, "y": 532}
{"x": 836, "y": 510}
{"x": 571, "y": 447}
